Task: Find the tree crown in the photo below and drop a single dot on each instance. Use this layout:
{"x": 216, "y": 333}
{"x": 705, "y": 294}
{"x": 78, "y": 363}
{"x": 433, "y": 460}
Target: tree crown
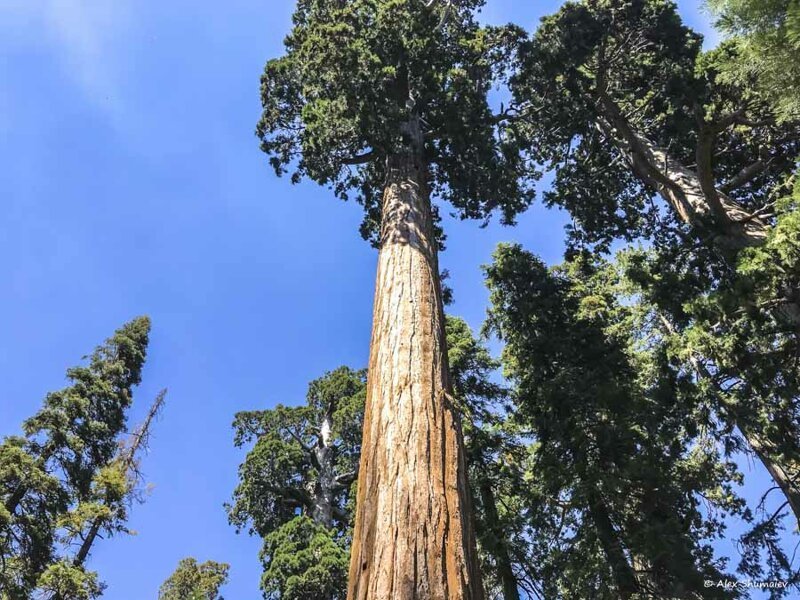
{"x": 356, "y": 73}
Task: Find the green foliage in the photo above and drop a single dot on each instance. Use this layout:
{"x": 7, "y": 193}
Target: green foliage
{"x": 356, "y": 73}
{"x": 742, "y": 353}
{"x": 638, "y": 56}
{"x": 766, "y": 35}
{"x": 305, "y": 560}
{"x": 48, "y": 476}
{"x": 27, "y": 531}
{"x": 64, "y": 581}
{"x": 616, "y": 468}
{"x": 496, "y": 458}
{"x": 296, "y": 483}
{"x": 78, "y": 426}
{"x": 729, "y": 319}
{"x": 195, "y": 581}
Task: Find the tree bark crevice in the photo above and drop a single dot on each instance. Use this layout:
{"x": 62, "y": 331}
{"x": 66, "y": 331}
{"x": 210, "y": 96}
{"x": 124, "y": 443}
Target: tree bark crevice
{"x": 413, "y": 535}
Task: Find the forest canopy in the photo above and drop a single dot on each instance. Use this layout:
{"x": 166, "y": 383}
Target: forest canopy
{"x": 624, "y": 423}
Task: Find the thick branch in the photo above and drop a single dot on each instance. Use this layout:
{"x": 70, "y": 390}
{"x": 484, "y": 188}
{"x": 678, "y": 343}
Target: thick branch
{"x": 691, "y": 194}
{"x": 360, "y": 159}
{"x": 346, "y": 479}
{"x": 705, "y": 175}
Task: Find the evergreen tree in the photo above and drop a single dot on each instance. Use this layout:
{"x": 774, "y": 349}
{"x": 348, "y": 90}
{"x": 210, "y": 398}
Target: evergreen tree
{"x": 766, "y": 36}
{"x": 193, "y": 581}
{"x": 103, "y": 514}
{"x": 745, "y": 357}
{"x": 387, "y": 101}
{"x": 65, "y": 446}
{"x": 617, "y": 97}
{"x": 493, "y": 456}
{"x": 295, "y": 486}
{"x": 618, "y": 467}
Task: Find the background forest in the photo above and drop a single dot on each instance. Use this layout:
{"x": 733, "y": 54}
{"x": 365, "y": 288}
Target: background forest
{"x": 617, "y": 203}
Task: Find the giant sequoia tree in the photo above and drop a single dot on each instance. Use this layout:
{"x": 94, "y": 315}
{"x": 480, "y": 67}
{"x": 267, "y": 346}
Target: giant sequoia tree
{"x": 306, "y": 457}
{"x": 295, "y": 486}
{"x": 387, "y": 100}
{"x": 617, "y": 97}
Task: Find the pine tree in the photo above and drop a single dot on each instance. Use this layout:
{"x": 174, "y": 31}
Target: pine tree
{"x": 388, "y": 100}
{"x": 66, "y": 444}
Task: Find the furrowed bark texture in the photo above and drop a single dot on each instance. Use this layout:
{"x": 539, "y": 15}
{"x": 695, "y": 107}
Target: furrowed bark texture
{"x": 413, "y": 535}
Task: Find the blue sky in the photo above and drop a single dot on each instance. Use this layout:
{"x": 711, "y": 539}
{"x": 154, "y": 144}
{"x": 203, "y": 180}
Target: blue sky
{"x": 132, "y": 184}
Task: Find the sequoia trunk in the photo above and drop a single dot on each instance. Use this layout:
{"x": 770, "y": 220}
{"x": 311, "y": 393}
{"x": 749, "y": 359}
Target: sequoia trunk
{"x": 413, "y": 534}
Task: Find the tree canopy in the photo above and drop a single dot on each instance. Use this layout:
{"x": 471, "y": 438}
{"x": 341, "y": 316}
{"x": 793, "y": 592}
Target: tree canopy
{"x": 353, "y": 76}
{"x": 50, "y": 476}
{"x": 766, "y": 36}
{"x": 619, "y": 100}
{"x": 195, "y": 581}
{"x": 618, "y": 466}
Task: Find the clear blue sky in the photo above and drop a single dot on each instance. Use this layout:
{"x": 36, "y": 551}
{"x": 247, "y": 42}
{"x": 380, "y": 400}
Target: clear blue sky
{"x": 132, "y": 183}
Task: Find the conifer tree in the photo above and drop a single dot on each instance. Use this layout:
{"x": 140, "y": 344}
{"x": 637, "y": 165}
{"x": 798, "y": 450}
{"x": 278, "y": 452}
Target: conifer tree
{"x": 617, "y": 97}
{"x": 617, "y": 464}
{"x": 64, "y": 448}
{"x": 195, "y": 581}
{"x": 102, "y": 515}
{"x": 295, "y": 486}
{"x": 387, "y": 101}
{"x": 305, "y": 555}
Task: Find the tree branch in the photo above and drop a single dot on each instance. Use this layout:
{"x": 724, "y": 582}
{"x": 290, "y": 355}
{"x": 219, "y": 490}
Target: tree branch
{"x": 360, "y": 159}
{"x": 312, "y": 457}
{"x": 746, "y": 175}
{"x": 346, "y": 479}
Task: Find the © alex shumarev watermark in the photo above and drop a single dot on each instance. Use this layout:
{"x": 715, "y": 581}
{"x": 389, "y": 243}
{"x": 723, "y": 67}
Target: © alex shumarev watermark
{"x": 743, "y": 584}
